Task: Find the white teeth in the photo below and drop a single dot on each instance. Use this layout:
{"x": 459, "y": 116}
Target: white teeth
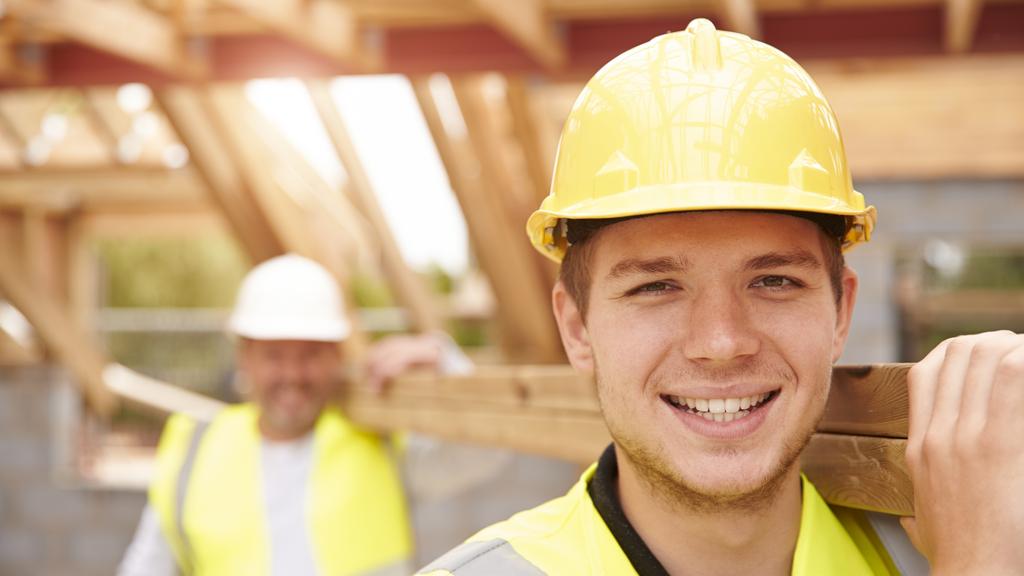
{"x": 718, "y": 416}
{"x": 708, "y": 407}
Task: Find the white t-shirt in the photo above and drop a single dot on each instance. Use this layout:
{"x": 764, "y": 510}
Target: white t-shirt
{"x": 285, "y": 469}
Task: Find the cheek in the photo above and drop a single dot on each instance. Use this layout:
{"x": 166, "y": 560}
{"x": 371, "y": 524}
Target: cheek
{"x": 629, "y": 344}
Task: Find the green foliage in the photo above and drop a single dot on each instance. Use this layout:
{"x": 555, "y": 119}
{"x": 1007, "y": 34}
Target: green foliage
{"x": 983, "y": 269}
{"x": 371, "y": 292}
{"x": 172, "y": 272}
{"x": 439, "y": 280}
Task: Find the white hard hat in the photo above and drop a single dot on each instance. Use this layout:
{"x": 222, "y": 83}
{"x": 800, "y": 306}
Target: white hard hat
{"x": 289, "y": 298}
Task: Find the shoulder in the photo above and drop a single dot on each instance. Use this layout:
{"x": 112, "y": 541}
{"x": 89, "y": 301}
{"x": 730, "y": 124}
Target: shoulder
{"x": 542, "y": 540}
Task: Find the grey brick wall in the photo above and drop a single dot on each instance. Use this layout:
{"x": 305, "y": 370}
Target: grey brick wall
{"x": 47, "y": 529}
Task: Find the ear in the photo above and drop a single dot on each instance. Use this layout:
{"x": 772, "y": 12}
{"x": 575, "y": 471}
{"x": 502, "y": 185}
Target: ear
{"x": 845, "y": 312}
{"x": 573, "y": 329}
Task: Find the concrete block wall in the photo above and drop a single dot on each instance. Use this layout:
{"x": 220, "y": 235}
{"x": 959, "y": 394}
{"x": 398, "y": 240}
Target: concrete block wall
{"x": 51, "y": 528}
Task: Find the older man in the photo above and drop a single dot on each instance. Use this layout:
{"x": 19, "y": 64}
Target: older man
{"x": 700, "y": 208}
{"x": 283, "y": 484}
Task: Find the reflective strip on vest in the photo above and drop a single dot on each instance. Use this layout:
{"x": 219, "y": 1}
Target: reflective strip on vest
{"x": 901, "y": 550}
{"x": 486, "y": 558}
{"x": 182, "y": 492}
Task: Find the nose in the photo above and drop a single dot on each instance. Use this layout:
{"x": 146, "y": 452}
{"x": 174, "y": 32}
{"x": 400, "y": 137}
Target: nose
{"x": 291, "y": 370}
{"x": 719, "y": 328}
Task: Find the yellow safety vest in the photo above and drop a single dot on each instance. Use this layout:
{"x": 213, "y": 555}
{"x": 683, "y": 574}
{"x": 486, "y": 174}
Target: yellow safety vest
{"x": 567, "y": 536}
{"x": 208, "y": 496}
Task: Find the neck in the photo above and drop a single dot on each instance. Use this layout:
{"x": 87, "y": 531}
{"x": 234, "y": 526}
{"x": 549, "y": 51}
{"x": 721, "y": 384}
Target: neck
{"x": 709, "y": 542}
{"x": 273, "y": 433}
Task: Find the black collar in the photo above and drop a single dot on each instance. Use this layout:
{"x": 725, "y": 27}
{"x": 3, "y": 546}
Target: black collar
{"x": 605, "y": 495}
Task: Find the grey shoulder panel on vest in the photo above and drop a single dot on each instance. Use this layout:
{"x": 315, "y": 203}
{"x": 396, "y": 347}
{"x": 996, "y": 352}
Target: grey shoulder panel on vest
{"x": 184, "y": 475}
{"x": 486, "y": 558}
{"x": 908, "y": 560}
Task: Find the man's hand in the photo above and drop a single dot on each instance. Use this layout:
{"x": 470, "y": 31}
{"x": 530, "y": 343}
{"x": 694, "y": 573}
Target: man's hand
{"x": 966, "y": 455}
{"x": 396, "y": 355}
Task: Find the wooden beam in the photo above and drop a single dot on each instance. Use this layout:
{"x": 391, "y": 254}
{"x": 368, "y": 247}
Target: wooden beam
{"x": 411, "y": 290}
{"x": 59, "y": 332}
{"x": 183, "y": 220}
{"x": 63, "y": 190}
{"x": 15, "y": 67}
{"x": 961, "y": 23}
{"x": 257, "y": 168}
{"x": 159, "y": 397}
{"x": 126, "y": 29}
{"x": 505, "y": 203}
{"x": 528, "y": 125}
{"x": 741, "y": 16}
{"x": 327, "y": 27}
{"x": 855, "y": 460}
{"x": 929, "y": 118}
{"x": 861, "y": 472}
{"x": 857, "y": 29}
{"x": 868, "y": 401}
{"x": 103, "y": 129}
{"x": 528, "y": 330}
{"x": 287, "y": 192}
{"x": 196, "y": 121}
{"x": 15, "y": 353}
{"x": 526, "y": 23}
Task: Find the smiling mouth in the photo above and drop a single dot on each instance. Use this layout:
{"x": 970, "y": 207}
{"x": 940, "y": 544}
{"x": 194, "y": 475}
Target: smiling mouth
{"x": 721, "y": 409}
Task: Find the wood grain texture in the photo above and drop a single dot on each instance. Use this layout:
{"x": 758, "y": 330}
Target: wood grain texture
{"x": 868, "y": 400}
{"x": 860, "y": 472}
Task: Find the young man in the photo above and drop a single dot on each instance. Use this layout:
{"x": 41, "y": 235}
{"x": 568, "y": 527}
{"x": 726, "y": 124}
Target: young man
{"x": 700, "y": 206}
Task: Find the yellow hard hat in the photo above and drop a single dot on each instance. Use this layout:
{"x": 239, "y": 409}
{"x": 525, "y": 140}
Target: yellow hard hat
{"x": 698, "y": 120}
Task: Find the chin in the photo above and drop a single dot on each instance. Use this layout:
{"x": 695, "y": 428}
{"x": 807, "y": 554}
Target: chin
{"x": 705, "y": 482}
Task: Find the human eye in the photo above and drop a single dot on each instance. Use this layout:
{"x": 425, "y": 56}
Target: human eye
{"x": 775, "y": 283}
{"x": 651, "y": 288}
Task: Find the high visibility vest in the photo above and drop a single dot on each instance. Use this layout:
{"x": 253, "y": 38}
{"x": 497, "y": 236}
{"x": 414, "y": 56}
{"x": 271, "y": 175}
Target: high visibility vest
{"x": 208, "y": 496}
{"x": 567, "y": 536}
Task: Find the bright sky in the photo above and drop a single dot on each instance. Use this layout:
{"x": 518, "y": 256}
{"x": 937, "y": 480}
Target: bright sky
{"x": 397, "y": 151}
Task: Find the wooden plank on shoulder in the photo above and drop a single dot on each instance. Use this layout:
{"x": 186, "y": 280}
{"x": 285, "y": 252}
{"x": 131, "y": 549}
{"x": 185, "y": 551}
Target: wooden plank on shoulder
{"x": 868, "y": 400}
{"x": 553, "y": 412}
{"x": 860, "y": 472}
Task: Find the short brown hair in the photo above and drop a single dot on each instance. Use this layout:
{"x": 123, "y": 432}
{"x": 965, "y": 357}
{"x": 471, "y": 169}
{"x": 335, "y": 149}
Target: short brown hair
{"x": 575, "y": 270}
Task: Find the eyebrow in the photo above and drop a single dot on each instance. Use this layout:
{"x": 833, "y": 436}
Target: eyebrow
{"x": 797, "y": 258}
{"x": 663, "y": 265}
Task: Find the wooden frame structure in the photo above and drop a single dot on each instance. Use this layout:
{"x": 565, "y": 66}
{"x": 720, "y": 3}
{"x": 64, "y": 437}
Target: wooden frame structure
{"x": 66, "y": 42}
{"x": 925, "y": 89}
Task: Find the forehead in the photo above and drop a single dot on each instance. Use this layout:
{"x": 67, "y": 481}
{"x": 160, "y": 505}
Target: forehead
{"x": 285, "y": 346}
{"x": 715, "y": 237}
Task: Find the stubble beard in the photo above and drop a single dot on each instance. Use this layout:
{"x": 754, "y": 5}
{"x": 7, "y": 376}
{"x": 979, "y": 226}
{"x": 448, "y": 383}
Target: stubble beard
{"x": 655, "y": 471}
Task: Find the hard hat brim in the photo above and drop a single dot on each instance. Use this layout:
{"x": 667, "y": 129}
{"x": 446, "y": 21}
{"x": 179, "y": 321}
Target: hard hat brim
{"x": 543, "y": 224}
{"x": 288, "y": 329}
